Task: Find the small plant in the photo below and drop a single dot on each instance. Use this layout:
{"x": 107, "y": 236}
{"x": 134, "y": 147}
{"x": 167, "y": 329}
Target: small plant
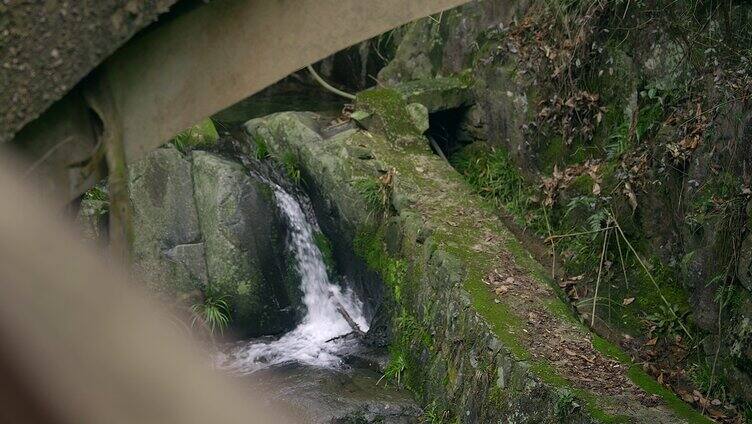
{"x": 96, "y": 201}
{"x": 376, "y": 191}
{"x": 598, "y": 216}
{"x": 261, "y": 151}
{"x": 434, "y": 414}
{"x": 213, "y": 311}
{"x": 565, "y": 404}
{"x": 703, "y": 377}
{"x": 395, "y": 369}
{"x": 371, "y": 191}
{"x": 291, "y": 167}
{"x": 666, "y": 321}
{"x": 493, "y": 175}
{"x": 98, "y": 193}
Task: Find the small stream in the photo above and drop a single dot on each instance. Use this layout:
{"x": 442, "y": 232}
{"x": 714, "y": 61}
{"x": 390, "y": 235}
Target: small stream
{"x": 319, "y": 340}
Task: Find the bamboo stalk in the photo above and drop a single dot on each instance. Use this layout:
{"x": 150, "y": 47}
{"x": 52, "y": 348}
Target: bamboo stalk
{"x": 598, "y": 281}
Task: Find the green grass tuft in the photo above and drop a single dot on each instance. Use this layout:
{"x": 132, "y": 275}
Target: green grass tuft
{"x": 291, "y": 166}
{"x": 213, "y": 311}
{"x": 201, "y": 135}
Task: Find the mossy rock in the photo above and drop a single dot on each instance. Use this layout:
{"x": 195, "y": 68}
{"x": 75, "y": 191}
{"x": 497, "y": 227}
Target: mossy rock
{"x": 244, "y": 256}
{"x": 438, "y": 94}
{"x": 165, "y": 224}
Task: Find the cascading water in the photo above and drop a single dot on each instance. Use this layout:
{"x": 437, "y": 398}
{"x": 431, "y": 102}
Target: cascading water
{"x": 317, "y": 339}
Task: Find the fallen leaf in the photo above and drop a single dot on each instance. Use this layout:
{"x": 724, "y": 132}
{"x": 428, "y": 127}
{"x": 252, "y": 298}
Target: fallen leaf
{"x": 651, "y": 342}
{"x": 630, "y": 196}
{"x": 501, "y": 289}
{"x": 686, "y": 397}
{"x": 628, "y": 301}
{"x": 716, "y": 414}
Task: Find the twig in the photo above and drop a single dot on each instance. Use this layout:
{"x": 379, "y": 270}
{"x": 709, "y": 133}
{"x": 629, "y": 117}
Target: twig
{"x": 342, "y": 336}
{"x": 350, "y": 321}
{"x": 657, "y": 287}
{"x": 598, "y": 281}
{"x": 553, "y": 245}
{"x": 46, "y": 155}
{"x": 621, "y": 259}
{"x": 550, "y": 239}
{"x": 435, "y": 145}
{"x": 327, "y": 86}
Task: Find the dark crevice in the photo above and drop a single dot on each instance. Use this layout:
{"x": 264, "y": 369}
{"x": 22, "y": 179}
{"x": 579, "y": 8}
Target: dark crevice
{"x": 445, "y": 128}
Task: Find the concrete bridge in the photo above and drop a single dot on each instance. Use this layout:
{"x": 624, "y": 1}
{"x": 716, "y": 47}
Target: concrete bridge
{"x": 195, "y": 60}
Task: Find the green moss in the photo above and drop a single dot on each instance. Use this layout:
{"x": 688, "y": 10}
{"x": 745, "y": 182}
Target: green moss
{"x": 547, "y": 373}
{"x": 201, "y": 135}
{"x": 322, "y": 242}
{"x": 591, "y": 405}
{"x": 261, "y": 150}
{"x": 290, "y": 164}
{"x": 609, "y": 349}
{"x": 503, "y": 322}
{"x": 439, "y": 93}
{"x": 553, "y": 152}
{"x": 389, "y": 106}
{"x": 582, "y": 185}
{"x": 497, "y": 398}
{"x": 569, "y": 395}
{"x": 647, "y": 383}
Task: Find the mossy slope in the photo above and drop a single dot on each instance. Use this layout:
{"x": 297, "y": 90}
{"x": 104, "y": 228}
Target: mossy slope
{"x": 481, "y": 336}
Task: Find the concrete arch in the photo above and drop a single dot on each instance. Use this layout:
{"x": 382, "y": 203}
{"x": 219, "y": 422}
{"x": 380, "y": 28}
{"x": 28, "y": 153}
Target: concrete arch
{"x": 199, "y": 62}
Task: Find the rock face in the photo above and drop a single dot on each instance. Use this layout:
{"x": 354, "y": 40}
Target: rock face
{"x": 201, "y": 220}
{"x": 243, "y": 235}
{"x": 472, "y": 349}
{"x": 165, "y": 219}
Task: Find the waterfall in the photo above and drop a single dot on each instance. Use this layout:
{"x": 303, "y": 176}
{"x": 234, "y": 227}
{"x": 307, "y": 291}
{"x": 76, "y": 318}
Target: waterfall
{"x": 314, "y": 341}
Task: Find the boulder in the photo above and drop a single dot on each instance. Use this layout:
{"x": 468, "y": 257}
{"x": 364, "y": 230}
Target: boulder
{"x": 419, "y": 115}
{"x": 244, "y": 249}
{"x": 165, "y": 222}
